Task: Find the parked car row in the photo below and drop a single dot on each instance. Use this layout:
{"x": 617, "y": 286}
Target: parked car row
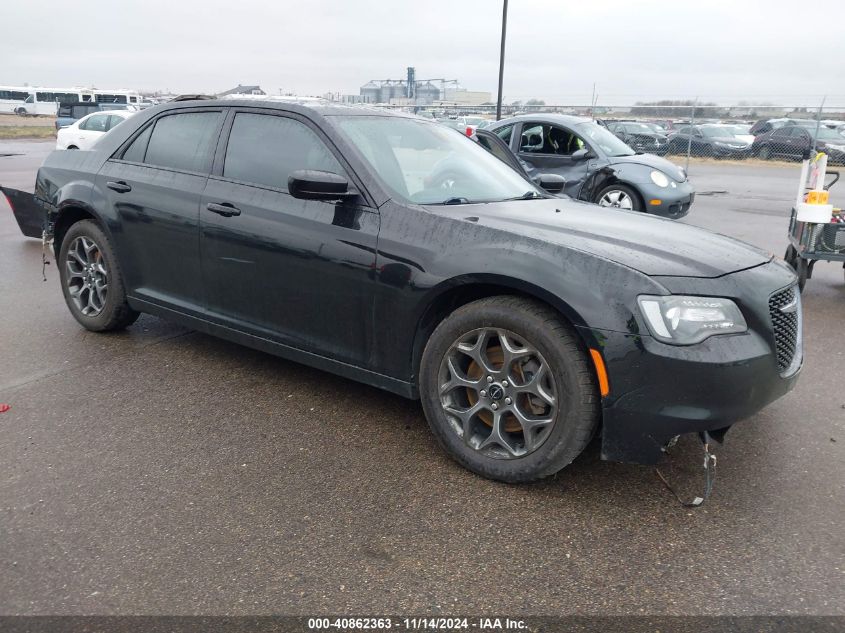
{"x": 765, "y": 139}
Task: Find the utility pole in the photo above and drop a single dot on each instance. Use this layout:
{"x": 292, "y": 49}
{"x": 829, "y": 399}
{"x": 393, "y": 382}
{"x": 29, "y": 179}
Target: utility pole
{"x": 502, "y": 59}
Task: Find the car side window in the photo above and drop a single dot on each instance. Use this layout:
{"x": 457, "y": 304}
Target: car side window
{"x": 183, "y": 141}
{"x": 505, "y": 133}
{"x": 138, "y": 148}
{"x": 114, "y": 121}
{"x": 782, "y": 132}
{"x": 95, "y": 123}
{"x": 549, "y": 139}
{"x": 264, "y": 149}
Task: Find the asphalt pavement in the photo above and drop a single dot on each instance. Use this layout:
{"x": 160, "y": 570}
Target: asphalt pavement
{"x": 162, "y": 471}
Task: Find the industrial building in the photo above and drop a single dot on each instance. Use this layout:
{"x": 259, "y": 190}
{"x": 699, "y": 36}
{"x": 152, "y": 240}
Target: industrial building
{"x": 413, "y": 91}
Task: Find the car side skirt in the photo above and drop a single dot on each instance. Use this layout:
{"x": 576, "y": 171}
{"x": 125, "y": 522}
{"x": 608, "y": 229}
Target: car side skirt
{"x": 399, "y": 387}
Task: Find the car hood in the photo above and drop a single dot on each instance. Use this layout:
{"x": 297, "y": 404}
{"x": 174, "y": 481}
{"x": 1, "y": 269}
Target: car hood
{"x": 652, "y": 245}
{"x": 655, "y": 162}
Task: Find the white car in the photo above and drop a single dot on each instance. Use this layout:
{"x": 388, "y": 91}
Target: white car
{"x": 82, "y": 134}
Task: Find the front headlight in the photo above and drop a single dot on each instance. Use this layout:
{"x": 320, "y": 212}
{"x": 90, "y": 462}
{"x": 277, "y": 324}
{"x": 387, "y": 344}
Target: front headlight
{"x": 682, "y": 320}
{"x": 659, "y": 178}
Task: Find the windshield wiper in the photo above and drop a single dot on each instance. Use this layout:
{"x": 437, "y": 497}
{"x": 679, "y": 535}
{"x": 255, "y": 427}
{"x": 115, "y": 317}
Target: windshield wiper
{"x": 455, "y": 200}
{"x": 528, "y": 195}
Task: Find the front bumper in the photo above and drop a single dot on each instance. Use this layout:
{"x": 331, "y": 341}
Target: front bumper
{"x": 658, "y": 391}
{"x": 675, "y": 202}
{"x": 731, "y": 152}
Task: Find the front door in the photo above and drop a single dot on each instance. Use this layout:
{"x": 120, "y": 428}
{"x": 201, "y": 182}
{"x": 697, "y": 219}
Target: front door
{"x": 296, "y": 271}
{"x": 543, "y": 147}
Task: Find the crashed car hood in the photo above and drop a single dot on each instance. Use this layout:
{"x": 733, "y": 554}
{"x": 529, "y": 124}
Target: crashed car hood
{"x": 655, "y": 162}
{"x": 652, "y": 245}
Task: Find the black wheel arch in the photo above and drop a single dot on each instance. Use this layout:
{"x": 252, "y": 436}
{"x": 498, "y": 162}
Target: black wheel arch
{"x": 451, "y": 295}
{"x": 68, "y": 213}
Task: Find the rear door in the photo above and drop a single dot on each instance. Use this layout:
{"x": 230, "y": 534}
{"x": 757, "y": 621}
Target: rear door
{"x": 154, "y": 183}
{"x": 296, "y": 271}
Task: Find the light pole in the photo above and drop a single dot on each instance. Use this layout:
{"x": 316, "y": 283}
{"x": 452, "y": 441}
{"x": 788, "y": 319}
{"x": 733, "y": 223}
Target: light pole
{"x": 502, "y": 60}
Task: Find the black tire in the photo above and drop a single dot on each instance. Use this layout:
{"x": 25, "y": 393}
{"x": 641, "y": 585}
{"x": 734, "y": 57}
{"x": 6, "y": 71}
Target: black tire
{"x": 115, "y": 313}
{"x": 802, "y": 267}
{"x": 633, "y": 194}
{"x": 576, "y": 416}
{"x": 791, "y": 257}
{"x": 72, "y": 147}
{"x": 765, "y": 153}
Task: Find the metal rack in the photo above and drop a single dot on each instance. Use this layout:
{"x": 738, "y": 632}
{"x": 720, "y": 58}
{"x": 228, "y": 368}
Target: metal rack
{"x": 810, "y": 242}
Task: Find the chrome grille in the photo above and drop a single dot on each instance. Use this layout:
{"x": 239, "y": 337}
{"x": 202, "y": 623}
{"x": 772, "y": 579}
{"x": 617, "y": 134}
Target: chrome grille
{"x": 785, "y": 310}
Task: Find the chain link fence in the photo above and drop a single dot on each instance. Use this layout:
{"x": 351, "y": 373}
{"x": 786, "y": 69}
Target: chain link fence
{"x": 686, "y": 132}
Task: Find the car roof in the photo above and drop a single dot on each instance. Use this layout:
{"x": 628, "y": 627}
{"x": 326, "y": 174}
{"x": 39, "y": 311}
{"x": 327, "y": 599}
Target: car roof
{"x": 547, "y": 117}
{"x": 324, "y": 108}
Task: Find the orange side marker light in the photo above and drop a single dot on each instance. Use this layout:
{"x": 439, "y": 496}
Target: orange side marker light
{"x": 601, "y": 372}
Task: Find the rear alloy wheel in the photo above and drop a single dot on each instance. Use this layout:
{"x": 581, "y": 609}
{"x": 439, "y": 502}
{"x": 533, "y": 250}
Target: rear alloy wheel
{"x": 619, "y": 197}
{"x": 91, "y": 279}
{"x": 765, "y": 153}
{"x": 507, "y": 390}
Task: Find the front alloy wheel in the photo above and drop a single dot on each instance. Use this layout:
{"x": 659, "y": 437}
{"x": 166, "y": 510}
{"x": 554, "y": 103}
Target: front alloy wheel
{"x": 507, "y": 389}
{"x": 498, "y": 393}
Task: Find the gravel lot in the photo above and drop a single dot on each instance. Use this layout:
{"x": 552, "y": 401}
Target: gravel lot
{"x": 163, "y": 471}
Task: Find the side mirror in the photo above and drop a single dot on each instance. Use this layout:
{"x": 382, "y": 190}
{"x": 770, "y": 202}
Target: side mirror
{"x": 553, "y": 183}
{"x": 310, "y": 184}
{"x": 582, "y": 154}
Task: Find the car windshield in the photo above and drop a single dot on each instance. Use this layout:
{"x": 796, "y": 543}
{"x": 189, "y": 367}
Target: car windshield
{"x": 601, "y": 137}
{"x": 716, "y": 132}
{"x": 740, "y": 129}
{"x": 826, "y": 134}
{"x": 430, "y": 164}
{"x": 638, "y": 128}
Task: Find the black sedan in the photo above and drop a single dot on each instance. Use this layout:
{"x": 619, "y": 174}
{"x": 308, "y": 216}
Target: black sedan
{"x": 597, "y": 166}
{"x": 715, "y": 141}
{"x": 797, "y": 141}
{"x": 393, "y": 251}
{"x": 641, "y": 137}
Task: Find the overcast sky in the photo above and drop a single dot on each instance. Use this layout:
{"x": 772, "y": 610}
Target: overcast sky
{"x": 723, "y": 51}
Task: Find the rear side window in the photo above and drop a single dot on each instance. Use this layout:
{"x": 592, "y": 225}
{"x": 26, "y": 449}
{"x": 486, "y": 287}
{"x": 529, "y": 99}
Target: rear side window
{"x": 95, "y": 123}
{"x": 114, "y": 121}
{"x": 81, "y": 111}
{"x": 183, "y": 141}
{"x": 265, "y": 149}
{"x": 138, "y": 148}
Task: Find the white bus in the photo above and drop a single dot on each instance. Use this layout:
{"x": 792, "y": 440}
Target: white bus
{"x": 11, "y": 97}
{"x": 117, "y": 96}
{"x": 32, "y": 101}
{"x": 43, "y": 101}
